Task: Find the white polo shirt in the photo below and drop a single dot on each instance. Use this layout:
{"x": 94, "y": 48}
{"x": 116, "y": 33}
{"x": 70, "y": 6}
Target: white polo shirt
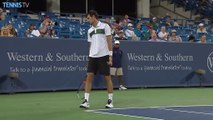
{"x": 97, "y": 36}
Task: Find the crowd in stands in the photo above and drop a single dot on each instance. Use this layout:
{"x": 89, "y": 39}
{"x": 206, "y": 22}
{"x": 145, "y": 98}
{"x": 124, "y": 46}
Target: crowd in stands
{"x": 159, "y": 29}
{"x": 153, "y": 29}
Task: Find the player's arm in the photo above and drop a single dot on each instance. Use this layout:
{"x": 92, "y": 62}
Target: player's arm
{"x": 89, "y": 39}
{"x": 109, "y": 41}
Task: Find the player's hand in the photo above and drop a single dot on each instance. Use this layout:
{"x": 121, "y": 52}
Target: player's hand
{"x": 110, "y": 61}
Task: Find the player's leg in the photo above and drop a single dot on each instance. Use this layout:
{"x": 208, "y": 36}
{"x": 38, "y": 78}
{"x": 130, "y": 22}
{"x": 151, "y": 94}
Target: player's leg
{"x": 104, "y": 69}
{"x": 91, "y": 70}
{"x": 88, "y": 86}
{"x": 109, "y": 84}
{"x": 110, "y": 91}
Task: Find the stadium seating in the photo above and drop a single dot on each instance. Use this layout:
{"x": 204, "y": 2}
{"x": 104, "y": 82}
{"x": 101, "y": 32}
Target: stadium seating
{"x": 76, "y": 27}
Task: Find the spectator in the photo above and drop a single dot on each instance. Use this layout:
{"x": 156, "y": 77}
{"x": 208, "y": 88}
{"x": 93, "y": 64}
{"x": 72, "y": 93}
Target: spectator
{"x": 138, "y": 32}
{"x": 154, "y": 38}
{"x": 173, "y": 37}
{"x": 2, "y": 17}
{"x": 45, "y": 25}
{"x": 175, "y": 23}
{"x": 211, "y": 30}
{"x": 202, "y": 39}
{"x": 116, "y": 31}
{"x": 117, "y": 22}
{"x": 201, "y": 28}
{"x": 144, "y": 29}
{"x": 11, "y": 30}
{"x": 191, "y": 38}
{"x": 163, "y": 35}
{"x": 154, "y": 23}
{"x": 32, "y": 32}
{"x": 126, "y": 20}
{"x": 113, "y": 30}
{"x": 5, "y": 31}
{"x": 108, "y": 21}
{"x": 8, "y": 30}
{"x": 120, "y": 36}
{"x": 169, "y": 22}
{"x": 130, "y": 33}
{"x": 149, "y": 33}
{"x": 116, "y": 68}
{"x": 50, "y": 34}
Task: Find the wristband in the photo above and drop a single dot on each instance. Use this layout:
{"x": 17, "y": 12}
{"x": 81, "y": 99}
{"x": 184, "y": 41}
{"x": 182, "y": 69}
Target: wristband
{"x": 110, "y": 53}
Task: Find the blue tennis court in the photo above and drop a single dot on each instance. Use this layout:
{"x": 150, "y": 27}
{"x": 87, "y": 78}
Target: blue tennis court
{"x": 165, "y": 113}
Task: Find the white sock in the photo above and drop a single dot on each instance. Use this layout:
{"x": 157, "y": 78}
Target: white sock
{"x": 86, "y": 96}
{"x": 110, "y": 95}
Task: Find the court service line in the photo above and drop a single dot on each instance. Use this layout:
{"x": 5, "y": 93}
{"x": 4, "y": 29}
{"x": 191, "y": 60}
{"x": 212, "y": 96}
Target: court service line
{"x": 185, "y": 111}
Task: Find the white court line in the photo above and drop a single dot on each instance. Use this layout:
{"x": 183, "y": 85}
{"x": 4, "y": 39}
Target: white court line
{"x": 185, "y": 111}
{"x": 107, "y": 113}
{"x": 157, "y": 107}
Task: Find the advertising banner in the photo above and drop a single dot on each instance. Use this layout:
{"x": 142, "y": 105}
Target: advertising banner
{"x": 61, "y": 64}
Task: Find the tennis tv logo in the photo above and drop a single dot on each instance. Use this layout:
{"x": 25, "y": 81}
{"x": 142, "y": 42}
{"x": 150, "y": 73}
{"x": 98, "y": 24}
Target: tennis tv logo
{"x": 210, "y": 62}
{"x": 15, "y": 4}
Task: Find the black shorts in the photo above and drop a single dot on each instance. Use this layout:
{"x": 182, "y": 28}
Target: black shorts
{"x": 99, "y": 65}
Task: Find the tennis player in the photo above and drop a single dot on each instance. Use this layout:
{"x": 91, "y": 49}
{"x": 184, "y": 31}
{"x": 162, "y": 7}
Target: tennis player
{"x": 100, "y": 57}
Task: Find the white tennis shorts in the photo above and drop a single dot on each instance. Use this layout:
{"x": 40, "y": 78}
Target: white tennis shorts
{"x": 116, "y": 71}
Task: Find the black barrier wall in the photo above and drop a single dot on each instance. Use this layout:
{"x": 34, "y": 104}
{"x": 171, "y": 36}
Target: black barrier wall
{"x": 60, "y": 64}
